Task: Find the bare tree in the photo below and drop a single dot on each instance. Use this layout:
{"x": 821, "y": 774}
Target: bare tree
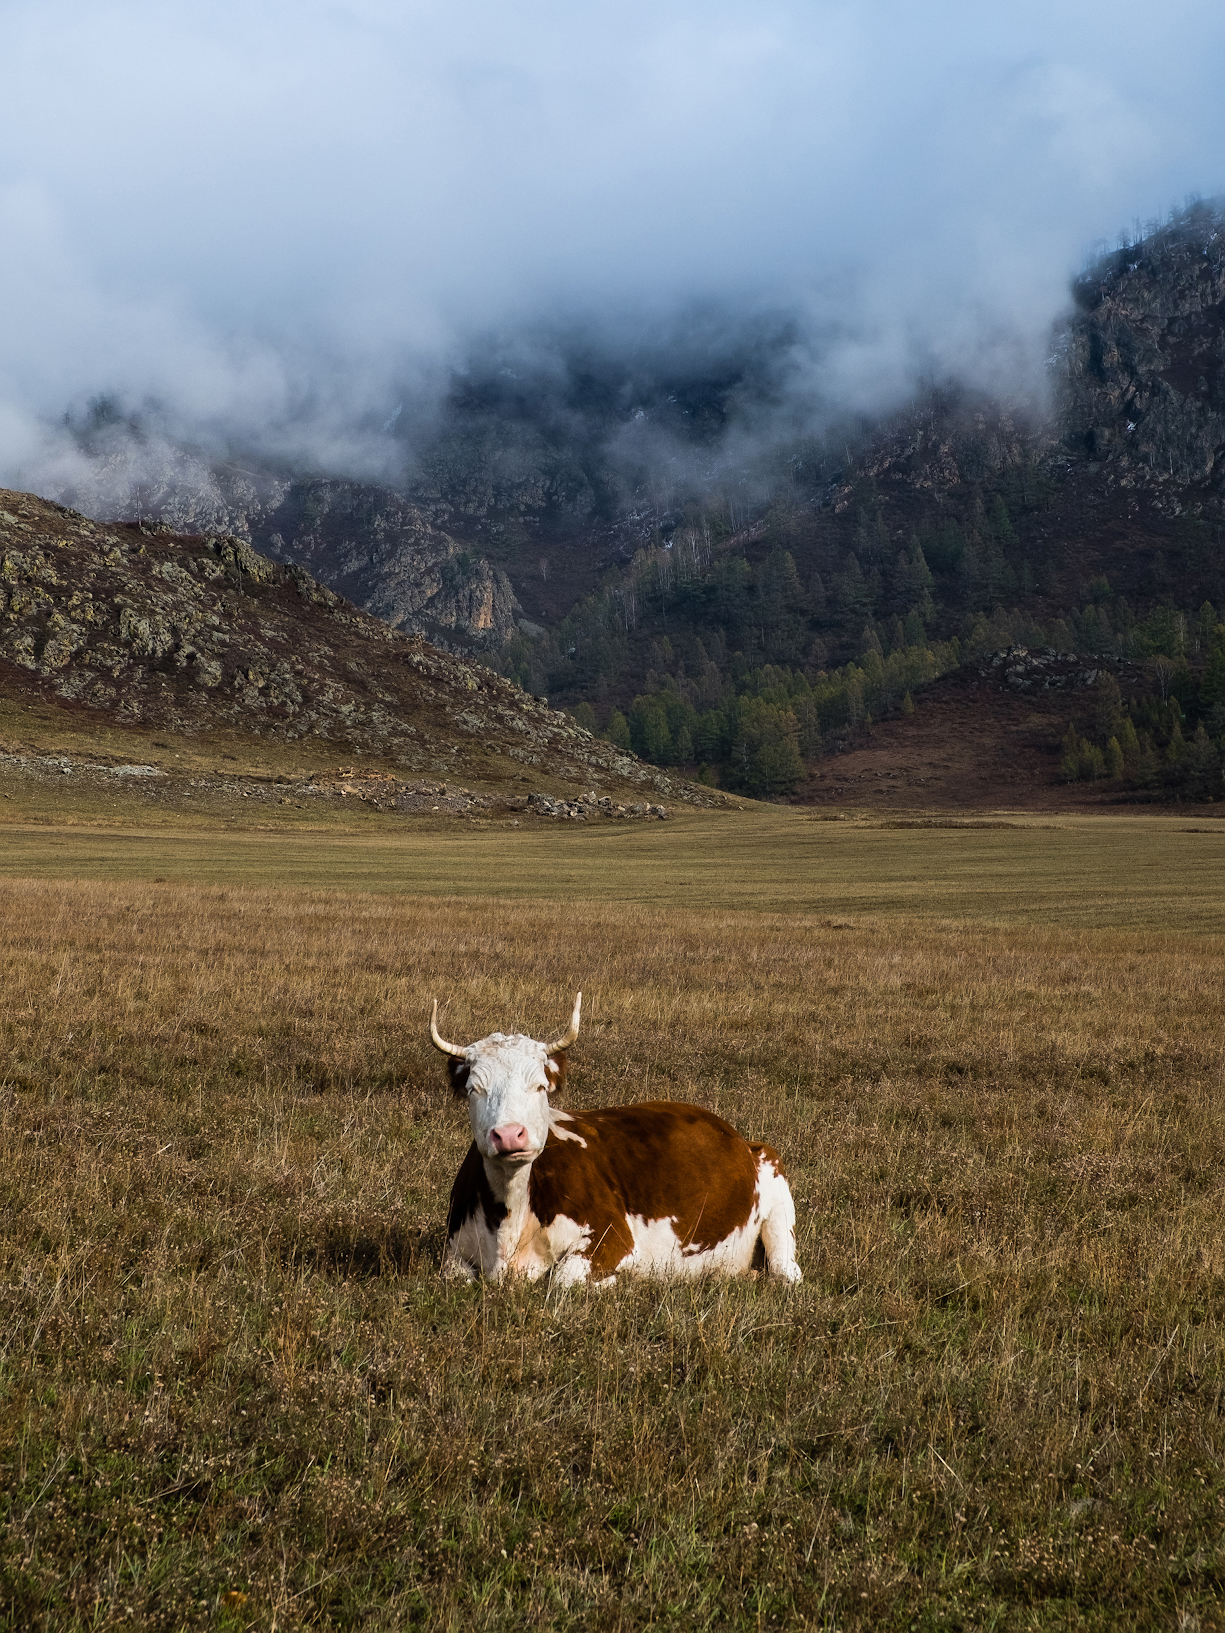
{"x": 1163, "y": 671}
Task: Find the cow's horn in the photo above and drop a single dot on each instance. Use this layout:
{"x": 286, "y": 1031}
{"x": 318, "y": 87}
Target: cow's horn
{"x": 440, "y": 1042}
{"x": 571, "y": 1032}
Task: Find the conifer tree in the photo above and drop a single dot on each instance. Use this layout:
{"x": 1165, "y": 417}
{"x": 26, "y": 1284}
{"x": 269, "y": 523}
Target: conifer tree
{"x": 1212, "y": 687}
{"x": 1202, "y": 766}
{"x": 1147, "y": 765}
{"x": 1069, "y": 762}
{"x": 1108, "y": 702}
{"x": 617, "y": 730}
{"x": 999, "y": 523}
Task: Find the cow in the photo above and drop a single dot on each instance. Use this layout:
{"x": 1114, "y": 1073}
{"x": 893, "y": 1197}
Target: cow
{"x": 659, "y": 1189}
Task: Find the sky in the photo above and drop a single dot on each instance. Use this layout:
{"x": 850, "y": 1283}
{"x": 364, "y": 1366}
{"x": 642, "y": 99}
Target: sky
{"x": 263, "y": 222}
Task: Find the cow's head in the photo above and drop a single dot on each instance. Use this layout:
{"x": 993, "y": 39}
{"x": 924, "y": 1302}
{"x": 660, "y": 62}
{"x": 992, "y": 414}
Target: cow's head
{"x": 507, "y": 1081}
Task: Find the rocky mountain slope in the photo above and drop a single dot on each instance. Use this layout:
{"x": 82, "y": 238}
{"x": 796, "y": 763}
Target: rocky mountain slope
{"x": 367, "y": 542}
{"x": 141, "y": 626}
{"x": 1143, "y": 370}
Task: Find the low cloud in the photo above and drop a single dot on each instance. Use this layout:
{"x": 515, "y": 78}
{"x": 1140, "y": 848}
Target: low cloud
{"x": 260, "y": 227}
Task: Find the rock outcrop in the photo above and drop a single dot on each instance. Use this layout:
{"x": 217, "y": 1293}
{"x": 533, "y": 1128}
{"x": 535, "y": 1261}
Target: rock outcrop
{"x": 590, "y": 806}
{"x": 366, "y": 541}
{"x": 1018, "y": 669}
{"x": 1144, "y": 356}
{"x": 378, "y": 550}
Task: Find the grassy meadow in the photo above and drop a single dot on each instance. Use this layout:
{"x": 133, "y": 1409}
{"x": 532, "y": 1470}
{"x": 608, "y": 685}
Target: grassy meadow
{"x": 1145, "y": 873}
{"x": 235, "y": 1394}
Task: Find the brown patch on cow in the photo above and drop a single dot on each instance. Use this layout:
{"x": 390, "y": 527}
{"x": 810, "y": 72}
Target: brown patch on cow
{"x": 770, "y": 1154}
{"x": 658, "y": 1160}
{"x": 471, "y": 1191}
{"x": 457, "y": 1071}
{"x": 555, "y": 1069}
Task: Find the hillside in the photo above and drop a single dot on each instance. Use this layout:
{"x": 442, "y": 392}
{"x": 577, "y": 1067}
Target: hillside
{"x": 154, "y": 635}
{"x": 986, "y": 737}
{"x": 369, "y": 543}
{"x": 601, "y": 531}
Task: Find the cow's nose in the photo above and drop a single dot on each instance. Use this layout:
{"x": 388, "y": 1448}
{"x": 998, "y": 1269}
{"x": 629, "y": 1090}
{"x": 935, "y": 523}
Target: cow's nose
{"x": 510, "y": 1137}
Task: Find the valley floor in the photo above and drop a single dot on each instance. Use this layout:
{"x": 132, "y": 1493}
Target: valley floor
{"x": 1159, "y": 873}
{"x": 234, "y": 1392}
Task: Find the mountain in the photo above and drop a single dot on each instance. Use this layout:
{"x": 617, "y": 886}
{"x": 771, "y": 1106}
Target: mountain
{"x": 647, "y": 538}
{"x": 1144, "y": 374}
{"x": 145, "y": 628}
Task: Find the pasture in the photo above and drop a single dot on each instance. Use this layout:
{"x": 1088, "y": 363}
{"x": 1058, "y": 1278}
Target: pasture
{"x": 235, "y": 1394}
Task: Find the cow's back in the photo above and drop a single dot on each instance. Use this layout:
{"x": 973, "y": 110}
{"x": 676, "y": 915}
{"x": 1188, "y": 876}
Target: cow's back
{"x": 619, "y": 1170}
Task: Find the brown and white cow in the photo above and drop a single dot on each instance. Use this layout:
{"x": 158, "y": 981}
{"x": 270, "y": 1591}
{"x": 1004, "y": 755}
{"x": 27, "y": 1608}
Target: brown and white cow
{"x": 659, "y": 1189}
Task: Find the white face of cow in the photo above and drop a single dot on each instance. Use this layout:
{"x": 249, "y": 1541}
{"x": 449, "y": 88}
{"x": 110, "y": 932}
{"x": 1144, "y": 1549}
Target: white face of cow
{"x": 507, "y": 1081}
{"x": 508, "y": 1096}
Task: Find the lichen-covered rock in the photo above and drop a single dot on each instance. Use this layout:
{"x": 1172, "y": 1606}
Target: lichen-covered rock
{"x": 147, "y": 633}
{"x": 238, "y": 555}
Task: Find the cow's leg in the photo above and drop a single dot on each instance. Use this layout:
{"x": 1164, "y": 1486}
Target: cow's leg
{"x": 777, "y": 1222}
{"x": 455, "y": 1267}
{"x": 572, "y": 1271}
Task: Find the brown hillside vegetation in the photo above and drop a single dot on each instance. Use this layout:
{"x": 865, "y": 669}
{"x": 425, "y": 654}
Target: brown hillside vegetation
{"x": 235, "y": 1393}
{"x": 977, "y": 743}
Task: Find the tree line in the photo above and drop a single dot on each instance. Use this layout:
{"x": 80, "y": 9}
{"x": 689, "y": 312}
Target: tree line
{"x": 1170, "y": 740}
{"x": 713, "y": 650}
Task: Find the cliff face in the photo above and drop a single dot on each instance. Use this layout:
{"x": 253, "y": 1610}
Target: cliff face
{"x": 377, "y": 549}
{"x": 366, "y": 541}
{"x": 1143, "y": 367}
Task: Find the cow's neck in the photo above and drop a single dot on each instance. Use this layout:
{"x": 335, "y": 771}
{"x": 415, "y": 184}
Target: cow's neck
{"x": 509, "y": 1185}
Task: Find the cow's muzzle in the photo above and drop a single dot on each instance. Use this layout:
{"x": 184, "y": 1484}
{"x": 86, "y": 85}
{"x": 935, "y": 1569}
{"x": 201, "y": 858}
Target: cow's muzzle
{"x": 512, "y": 1139}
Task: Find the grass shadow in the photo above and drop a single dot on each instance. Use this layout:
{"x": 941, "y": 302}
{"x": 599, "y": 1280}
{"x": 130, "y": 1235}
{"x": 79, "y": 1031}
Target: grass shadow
{"x": 359, "y": 1250}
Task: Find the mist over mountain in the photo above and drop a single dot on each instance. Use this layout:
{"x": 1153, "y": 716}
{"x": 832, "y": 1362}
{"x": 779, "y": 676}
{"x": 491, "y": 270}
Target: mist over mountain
{"x": 657, "y": 540}
{"x": 261, "y": 230}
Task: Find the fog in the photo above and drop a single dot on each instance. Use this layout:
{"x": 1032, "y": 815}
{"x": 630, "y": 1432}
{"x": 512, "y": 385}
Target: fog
{"x": 264, "y": 227}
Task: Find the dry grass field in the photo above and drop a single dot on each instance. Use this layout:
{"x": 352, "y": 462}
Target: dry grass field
{"x": 235, "y": 1394}
{"x": 1124, "y": 872}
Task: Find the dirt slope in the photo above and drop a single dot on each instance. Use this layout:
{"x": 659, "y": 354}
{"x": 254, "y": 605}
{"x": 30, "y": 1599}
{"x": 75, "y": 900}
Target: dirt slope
{"x": 983, "y": 738}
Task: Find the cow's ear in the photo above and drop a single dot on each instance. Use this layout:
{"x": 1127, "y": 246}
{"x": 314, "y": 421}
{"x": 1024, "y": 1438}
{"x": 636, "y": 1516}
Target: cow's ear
{"x": 457, "y": 1071}
{"x": 556, "y": 1067}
